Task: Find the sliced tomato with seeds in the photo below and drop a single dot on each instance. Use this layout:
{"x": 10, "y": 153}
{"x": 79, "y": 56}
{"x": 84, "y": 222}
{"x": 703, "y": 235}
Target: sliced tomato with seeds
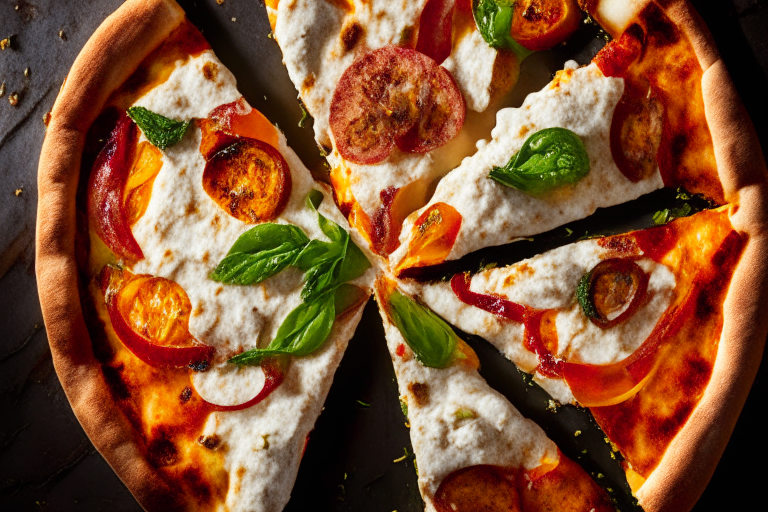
{"x": 542, "y": 24}
{"x": 150, "y": 315}
{"x": 391, "y": 94}
{"x": 249, "y": 179}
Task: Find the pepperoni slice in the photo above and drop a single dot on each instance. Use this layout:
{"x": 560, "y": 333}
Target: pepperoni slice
{"x": 249, "y": 179}
{"x": 394, "y": 96}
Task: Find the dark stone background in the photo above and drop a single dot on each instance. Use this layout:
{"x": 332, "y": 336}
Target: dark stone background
{"x": 47, "y": 462}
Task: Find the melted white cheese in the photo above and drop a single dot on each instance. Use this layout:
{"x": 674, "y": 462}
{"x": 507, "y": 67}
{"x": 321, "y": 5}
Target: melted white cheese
{"x": 184, "y": 234}
{"x": 498, "y": 434}
{"x": 493, "y": 214}
{"x": 549, "y": 281}
{"x": 308, "y": 32}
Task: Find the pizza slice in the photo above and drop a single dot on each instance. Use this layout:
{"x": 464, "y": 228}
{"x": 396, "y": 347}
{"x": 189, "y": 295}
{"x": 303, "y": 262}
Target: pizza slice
{"x": 631, "y": 122}
{"x": 222, "y": 289}
{"x": 396, "y": 89}
{"x": 474, "y": 450}
{"x": 626, "y": 325}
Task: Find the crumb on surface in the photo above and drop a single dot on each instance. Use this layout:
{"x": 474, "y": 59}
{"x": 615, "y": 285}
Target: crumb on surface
{"x": 62, "y": 35}
{"x": 13, "y": 99}
{"x": 2, "y": 89}
{"x": 18, "y": 192}
{"x": 220, "y": 2}
{"x": 27, "y": 72}
{"x": 234, "y": 19}
{"x": 47, "y": 119}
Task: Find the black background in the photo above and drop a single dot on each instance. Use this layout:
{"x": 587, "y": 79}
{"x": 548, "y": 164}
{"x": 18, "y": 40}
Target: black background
{"x": 47, "y": 462}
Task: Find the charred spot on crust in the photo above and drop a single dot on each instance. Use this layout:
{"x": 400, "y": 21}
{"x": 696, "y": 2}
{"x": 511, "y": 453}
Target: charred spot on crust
{"x": 161, "y": 451}
{"x": 113, "y": 378}
{"x": 659, "y": 27}
{"x": 210, "y": 70}
{"x": 420, "y": 393}
{"x": 197, "y": 485}
{"x": 211, "y": 442}
{"x": 350, "y": 36}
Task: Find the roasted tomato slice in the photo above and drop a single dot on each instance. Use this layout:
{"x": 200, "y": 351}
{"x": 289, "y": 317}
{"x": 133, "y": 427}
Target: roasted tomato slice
{"x": 612, "y": 291}
{"x": 234, "y": 390}
{"x": 150, "y": 315}
{"x": 390, "y": 94}
{"x": 106, "y": 213}
{"x": 249, "y": 179}
{"x": 542, "y": 24}
{"x": 436, "y": 29}
{"x": 432, "y": 237}
{"x": 138, "y": 189}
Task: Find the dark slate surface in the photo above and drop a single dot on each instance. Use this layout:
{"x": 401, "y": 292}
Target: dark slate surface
{"x": 46, "y": 461}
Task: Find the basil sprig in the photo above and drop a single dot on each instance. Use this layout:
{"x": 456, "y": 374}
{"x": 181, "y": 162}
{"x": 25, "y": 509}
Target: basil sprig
{"x": 259, "y": 253}
{"x": 328, "y": 264}
{"x": 267, "y": 249}
{"x": 494, "y": 21}
{"x": 431, "y": 339}
{"x": 305, "y": 329}
{"x": 159, "y": 130}
{"x": 549, "y": 158}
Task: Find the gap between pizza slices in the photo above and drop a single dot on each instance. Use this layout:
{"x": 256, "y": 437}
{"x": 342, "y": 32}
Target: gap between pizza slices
{"x": 220, "y": 286}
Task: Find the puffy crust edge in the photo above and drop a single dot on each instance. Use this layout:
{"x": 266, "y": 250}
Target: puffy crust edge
{"x": 742, "y": 170}
{"x": 109, "y": 57}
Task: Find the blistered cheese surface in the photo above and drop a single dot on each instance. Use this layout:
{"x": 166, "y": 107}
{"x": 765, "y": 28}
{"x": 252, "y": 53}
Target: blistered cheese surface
{"x": 184, "y": 234}
{"x": 581, "y": 100}
{"x": 443, "y": 441}
{"x": 549, "y": 281}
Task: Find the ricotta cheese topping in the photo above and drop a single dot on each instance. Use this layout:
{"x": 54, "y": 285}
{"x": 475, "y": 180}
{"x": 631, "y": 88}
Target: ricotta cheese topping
{"x": 581, "y": 100}
{"x": 549, "y": 281}
{"x": 184, "y": 234}
{"x": 459, "y": 421}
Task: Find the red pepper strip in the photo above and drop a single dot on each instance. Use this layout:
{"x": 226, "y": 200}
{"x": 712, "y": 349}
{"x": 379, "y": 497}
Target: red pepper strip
{"x": 106, "y": 212}
{"x": 495, "y": 305}
{"x": 436, "y": 29}
{"x": 274, "y": 375}
{"x": 549, "y": 365}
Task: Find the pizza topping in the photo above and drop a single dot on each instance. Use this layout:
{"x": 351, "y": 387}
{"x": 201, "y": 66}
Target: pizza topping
{"x": 542, "y": 24}
{"x": 138, "y": 189}
{"x": 615, "y": 58}
{"x": 548, "y": 159}
{"x": 394, "y": 96}
{"x": 494, "y": 21}
{"x": 260, "y": 253}
{"x": 150, "y": 315}
{"x": 432, "y": 340}
{"x": 433, "y": 236}
{"x": 159, "y": 130}
{"x": 111, "y": 170}
{"x": 490, "y": 303}
{"x": 239, "y": 118}
{"x": 237, "y": 388}
{"x": 249, "y": 179}
{"x": 612, "y": 291}
{"x": 436, "y": 29}
{"x": 306, "y": 328}
{"x": 490, "y": 488}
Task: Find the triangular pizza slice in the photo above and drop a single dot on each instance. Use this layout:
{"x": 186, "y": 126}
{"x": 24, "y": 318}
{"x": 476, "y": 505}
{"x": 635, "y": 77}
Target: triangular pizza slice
{"x": 626, "y": 325}
{"x": 474, "y": 450}
{"x": 397, "y": 89}
{"x": 224, "y": 289}
{"x": 631, "y": 122}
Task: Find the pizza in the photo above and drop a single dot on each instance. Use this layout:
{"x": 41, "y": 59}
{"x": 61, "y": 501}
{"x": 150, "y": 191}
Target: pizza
{"x": 200, "y": 286}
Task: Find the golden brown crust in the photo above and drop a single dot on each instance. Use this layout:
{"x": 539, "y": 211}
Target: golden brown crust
{"x": 107, "y": 60}
{"x": 742, "y": 171}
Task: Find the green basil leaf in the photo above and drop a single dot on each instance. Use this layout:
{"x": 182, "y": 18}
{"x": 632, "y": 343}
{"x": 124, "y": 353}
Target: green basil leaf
{"x": 319, "y": 279}
{"x": 330, "y": 228}
{"x": 317, "y": 252}
{"x": 159, "y": 130}
{"x": 345, "y": 296}
{"x": 354, "y": 264}
{"x": 669, "y": 214}
{"x": 431, "y": 339}
{"x": 303, "y": 331}
{"x": 494, "y": 21}
{"x": 260, "y": 253}
{"x": 549, "y": 159}
{"x": 584, "y": 297}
